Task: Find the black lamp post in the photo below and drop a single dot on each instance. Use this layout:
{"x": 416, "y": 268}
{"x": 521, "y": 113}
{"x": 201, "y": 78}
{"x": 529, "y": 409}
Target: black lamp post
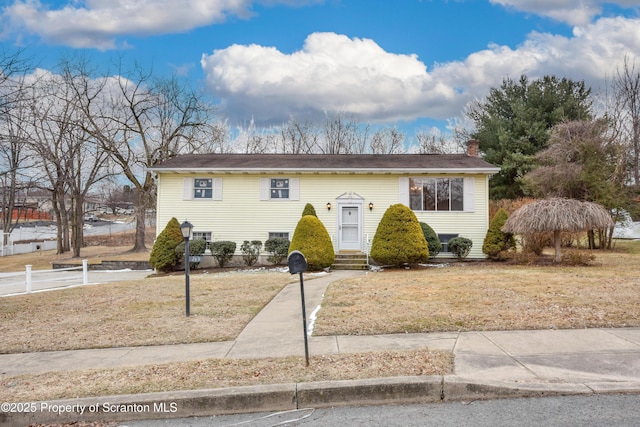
{"x": 186, "y": 228}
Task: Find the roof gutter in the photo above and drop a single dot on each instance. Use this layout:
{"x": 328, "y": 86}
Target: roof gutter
{"x": 490, "y": 170}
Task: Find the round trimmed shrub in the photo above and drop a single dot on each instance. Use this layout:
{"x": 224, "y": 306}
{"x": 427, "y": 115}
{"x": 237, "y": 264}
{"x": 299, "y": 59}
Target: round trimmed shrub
{"x": 497, "y": 241}
{"x": 460, "y": 247}
{"x": 433, "y": 241}
{"x": 163, "y": 255}
{"x": 278, "y": 247}
{"x": 223, "y": 251}
{"x": 312, "y": 239}
{"x": 196, "y": 248}
{"x": 250, "y": 251}
{"x": 399, "y": 238}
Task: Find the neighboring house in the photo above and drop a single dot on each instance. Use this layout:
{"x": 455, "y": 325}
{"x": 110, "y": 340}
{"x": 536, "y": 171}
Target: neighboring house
{"x": 242, "y": 197}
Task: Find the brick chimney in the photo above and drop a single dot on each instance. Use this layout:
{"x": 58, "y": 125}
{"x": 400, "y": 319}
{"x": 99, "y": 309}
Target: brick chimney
{"x": 473, "y": 148}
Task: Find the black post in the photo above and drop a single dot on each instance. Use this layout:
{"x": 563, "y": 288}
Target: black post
{"x": 186, "y": 272}
{"x": 304, "y": 322}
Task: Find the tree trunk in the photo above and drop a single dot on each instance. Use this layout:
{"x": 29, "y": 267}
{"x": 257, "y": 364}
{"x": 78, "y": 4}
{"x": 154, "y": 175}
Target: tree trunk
{"x": 592, "y": 239}
{"x": 77, "y": 225}
{"x": 141, "y": 214}
{"x": 610, "y": 236}
{"x": 558, "y": 243}
{"x": 58, "y": 217}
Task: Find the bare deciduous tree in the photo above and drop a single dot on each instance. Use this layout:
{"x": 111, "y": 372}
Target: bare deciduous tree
{"x": 339, "y": 135}
{"x": 626, "y": 87}
{"x": 140, "y": 121}
{"x": 70, "y": 158}
{"x": 388, "y": 140}
{"x": 432, "y": 143}
{"x": 13, "y": 154}
{"x": 299, "y": 137}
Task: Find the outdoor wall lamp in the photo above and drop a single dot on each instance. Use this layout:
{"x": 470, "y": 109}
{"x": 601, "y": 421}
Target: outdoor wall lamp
{"x": 185, "y": 229}
{"x": 371, "y": 206}
{"x": 328, "y": 206}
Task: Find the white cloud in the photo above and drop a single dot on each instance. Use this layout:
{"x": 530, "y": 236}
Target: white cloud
{"x": 98, "y": 23}
{"x": 331, "y": 73}
{"x": 573, "y": 12}
{"x": 334, "y": 73}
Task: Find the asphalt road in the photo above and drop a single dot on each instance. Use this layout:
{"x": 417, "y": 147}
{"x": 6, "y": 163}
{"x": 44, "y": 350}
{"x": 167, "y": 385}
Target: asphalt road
{"x": 595, "y": 410}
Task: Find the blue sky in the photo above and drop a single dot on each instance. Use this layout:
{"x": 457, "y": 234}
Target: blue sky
{"x": 410, "y": 63}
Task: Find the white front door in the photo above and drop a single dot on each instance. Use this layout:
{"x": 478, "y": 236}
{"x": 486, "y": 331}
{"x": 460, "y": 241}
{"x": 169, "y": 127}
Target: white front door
{"x": 349, "y": 228}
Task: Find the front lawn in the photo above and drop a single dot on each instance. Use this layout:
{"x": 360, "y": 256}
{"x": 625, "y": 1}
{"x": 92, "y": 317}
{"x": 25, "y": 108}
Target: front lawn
{"x": 142, "y": 312}
{"x": 467, "y": 296}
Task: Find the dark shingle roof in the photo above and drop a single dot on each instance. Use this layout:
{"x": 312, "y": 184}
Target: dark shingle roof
{"x": 364, "y": 163}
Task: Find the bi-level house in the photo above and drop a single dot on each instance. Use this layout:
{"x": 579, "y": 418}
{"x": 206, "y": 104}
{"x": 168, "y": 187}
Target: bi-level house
{"x": 242, "y": 197}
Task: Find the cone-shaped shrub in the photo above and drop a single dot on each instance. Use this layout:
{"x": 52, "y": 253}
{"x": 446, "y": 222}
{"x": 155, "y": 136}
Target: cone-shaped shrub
{"x": 399, "y": 238}
{"x": 433, "y": 241}
{"x": 163, "y": 255}
{"x": 309, "y": 210}
{"x": 496, "y": 241}
{"x": 312, "y": 239}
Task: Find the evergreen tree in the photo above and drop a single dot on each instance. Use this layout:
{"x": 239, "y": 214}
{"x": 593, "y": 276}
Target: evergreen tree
{"x": 513, "y": 123}
{"x": 163, "y": 256}
{"x": 496, "y": 241}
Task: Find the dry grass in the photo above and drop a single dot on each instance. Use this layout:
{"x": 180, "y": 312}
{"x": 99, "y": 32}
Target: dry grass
{"x": 461, "y": 296}
{"x": 216, "y": 373}
{"x": 121, "y": 314}
{"x": 487, "y": 296}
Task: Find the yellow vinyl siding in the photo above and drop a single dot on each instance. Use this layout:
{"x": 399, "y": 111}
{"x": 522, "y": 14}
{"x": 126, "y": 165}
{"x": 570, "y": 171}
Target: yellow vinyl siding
{"x": 472, "y": 225}
{"x": 241, "y": 215}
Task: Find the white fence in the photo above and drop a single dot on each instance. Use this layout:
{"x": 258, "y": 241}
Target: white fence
{"x": 24, "y": 248}
{"x": 29, "y": 281}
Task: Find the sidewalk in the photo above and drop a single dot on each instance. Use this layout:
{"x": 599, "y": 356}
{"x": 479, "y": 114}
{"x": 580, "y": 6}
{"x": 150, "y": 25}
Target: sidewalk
{"x": 487, "y": 364}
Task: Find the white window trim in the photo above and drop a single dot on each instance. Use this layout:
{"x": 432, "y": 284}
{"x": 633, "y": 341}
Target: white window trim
{"x": 216, "y": 193}
{"x": 468, "y": 194}
{"x": 294, "y": 189}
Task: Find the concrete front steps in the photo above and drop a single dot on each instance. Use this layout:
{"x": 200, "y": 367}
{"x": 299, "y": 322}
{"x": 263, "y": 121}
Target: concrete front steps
{"x": 350, "y": 260}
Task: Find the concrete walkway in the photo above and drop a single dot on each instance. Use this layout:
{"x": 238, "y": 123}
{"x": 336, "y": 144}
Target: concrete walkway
{"x": 548, "y": 361}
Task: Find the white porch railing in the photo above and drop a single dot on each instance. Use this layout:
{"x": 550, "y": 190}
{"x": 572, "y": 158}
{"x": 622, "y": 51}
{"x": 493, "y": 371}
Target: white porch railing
{"x": 367, "y": 245}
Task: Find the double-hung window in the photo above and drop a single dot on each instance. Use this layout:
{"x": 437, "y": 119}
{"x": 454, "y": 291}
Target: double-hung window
{"x": 281, "y": 188}
{"x": 436, "y": 194}
{"x": 203, "y": 235}
{"x": 202, "y": 188}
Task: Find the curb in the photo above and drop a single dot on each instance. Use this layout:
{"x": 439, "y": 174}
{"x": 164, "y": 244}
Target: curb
{"x": 282, "y": 397}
